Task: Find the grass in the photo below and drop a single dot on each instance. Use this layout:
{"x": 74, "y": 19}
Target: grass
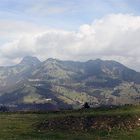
{"x": 22, "y": 125}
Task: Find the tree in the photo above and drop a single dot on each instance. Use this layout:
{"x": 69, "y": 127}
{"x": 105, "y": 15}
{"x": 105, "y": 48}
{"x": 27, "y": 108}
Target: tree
{"x": 3, "y": 109}
{"x": 86, "y": 105}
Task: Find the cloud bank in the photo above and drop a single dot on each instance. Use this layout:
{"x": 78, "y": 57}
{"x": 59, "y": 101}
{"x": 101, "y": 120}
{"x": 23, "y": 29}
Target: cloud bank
{"x": 115, "y": 36}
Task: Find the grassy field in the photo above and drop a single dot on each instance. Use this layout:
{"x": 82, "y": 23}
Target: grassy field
{"x": 22, "y": 126}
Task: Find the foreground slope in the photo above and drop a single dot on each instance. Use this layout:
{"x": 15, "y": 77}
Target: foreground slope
{"x": 110, "y": 124}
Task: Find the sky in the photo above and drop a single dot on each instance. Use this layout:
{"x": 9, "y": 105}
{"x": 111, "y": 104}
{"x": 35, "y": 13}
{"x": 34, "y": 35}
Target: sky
{"x": 70, "y": 30}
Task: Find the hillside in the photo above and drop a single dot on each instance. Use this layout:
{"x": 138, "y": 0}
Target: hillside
{"x": 68, "y": 84}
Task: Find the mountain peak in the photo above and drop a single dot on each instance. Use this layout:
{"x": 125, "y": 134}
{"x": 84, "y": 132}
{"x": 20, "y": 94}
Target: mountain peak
{"x": 30, "y": 60}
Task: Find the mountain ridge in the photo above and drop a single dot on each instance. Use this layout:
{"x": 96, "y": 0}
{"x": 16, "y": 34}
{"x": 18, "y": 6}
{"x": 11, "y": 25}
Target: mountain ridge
{"x": 69, "y": 83}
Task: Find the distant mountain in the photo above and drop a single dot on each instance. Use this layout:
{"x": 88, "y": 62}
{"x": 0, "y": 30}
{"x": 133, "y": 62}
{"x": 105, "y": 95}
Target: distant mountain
{"x": 66, "y": 84}
{"x": 14, "y": 75}
{"x": 29, "y": 60}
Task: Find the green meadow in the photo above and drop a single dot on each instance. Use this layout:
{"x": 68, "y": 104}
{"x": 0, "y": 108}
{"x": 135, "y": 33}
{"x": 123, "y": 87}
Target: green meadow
{"x": 24, "y": 125}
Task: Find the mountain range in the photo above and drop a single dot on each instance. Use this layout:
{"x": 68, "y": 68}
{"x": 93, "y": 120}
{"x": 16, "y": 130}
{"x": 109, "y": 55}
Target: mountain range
{"x": 55, "y": 84}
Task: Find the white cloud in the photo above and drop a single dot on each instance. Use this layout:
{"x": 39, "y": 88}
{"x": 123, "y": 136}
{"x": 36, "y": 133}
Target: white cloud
{"x": 12, "y": 29}
{"x": 115, "y": 36}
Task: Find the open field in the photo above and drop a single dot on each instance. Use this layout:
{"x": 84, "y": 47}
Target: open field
{"x": 25, "y": 125}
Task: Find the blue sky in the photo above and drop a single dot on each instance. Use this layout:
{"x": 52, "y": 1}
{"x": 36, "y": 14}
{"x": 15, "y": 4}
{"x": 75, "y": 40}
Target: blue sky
{"x": 70, "y": 30}
{"x": 68, "y": 14}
